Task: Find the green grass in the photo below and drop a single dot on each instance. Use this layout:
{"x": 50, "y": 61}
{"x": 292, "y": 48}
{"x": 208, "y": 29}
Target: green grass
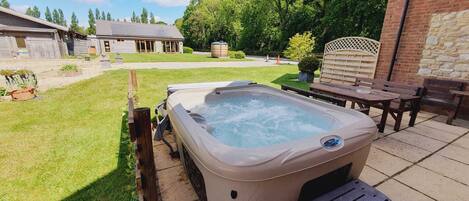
{"x": 154, "y": 57}
{"x": 71, "y": 143}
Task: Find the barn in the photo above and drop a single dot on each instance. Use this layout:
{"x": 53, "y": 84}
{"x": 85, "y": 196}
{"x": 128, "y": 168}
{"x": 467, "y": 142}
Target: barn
{"x": 23, "y": 36}
{"x": 126, "y": 37}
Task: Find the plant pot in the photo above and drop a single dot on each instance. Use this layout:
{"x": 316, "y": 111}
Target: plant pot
{"x": 305, "y": 77}
{"x": 23, "y": 94}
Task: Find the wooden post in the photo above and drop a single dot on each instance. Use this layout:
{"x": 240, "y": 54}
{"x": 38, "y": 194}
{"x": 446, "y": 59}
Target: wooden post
{"x": 144, "y": 150}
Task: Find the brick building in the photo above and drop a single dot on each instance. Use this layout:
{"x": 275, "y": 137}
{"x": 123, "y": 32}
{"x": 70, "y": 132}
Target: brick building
{"x": 434, "y": 41}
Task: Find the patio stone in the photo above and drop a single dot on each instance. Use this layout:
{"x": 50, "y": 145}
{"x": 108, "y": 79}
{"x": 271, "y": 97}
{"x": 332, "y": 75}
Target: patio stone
{"x": 386, "y": 163}
{"x": 162, "y": 158}
{"x": 456, "y": 153}
{"x": 456, "y": 122}
{"x": 371, "y": 176}
{"x": 401, "y": 149}
{"x": 445, "y": 127}
{"x": 419, "y": 141}
{"x": 462, "y": 142}
{"x": 432, "y": 133}
{"x": 175, "y": 186}
{"x": 433, "y": 184}
{"x": 447, "y": 167}
{"x": 168, "y": 136}
{"x": 400, "y": 192}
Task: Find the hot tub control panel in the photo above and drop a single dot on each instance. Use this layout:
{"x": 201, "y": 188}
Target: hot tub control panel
{"x": 332, "y": 143}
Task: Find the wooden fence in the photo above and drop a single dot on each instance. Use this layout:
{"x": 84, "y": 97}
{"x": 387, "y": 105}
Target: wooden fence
{"x": 139, "y": 122}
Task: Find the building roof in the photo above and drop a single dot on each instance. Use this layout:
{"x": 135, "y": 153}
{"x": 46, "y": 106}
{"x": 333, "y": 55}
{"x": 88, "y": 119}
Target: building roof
{"x": 25, "y": 29}
{"x": 34, "y": 19}
{"x": 136, "y": 30}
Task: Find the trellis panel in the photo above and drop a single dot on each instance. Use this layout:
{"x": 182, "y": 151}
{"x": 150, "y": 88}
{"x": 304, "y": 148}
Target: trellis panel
{"x": 348, "y": 58}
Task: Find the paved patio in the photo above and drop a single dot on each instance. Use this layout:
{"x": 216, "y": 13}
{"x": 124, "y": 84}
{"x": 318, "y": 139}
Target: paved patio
{"x": 429, "y": 161}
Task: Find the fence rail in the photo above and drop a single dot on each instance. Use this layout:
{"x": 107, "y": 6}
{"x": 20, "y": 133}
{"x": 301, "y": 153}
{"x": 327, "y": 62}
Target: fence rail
{"x": 139, "y": 123}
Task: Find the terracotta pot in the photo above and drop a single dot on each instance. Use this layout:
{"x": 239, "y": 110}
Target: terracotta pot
{"x": 23, "y": 94}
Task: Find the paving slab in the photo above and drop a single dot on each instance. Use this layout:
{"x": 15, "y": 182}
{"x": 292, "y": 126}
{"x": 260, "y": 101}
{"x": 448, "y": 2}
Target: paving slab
{"x": 456, "y": 122}
{"x": 401, "y": 149}
{"x": 168, "y": 136}
{"x": 462, "y": 142}
{"x": 447, "y": 167}
{"x": 386, "y": 163}
{"x": 417, "y": 140}
{"x": 433, "y": 184}
{"x": 400, "y": 192}
{"x": 445, "y": 127}
{"x": 371, "y": 176}
{"x": 456, "y": 153}
{"x": 175, "y": 186}
{"x": 433, "y": 133}
{"x": 162, "y": 158}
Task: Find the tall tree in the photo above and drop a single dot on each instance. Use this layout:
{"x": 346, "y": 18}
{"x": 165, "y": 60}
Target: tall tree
{"x": 5, "y": 4}
{"x": 96, "y": 13}
{"x": 55, "y": 16}
{"x": 144, "y": 16}
{"x": 36, "y": 12}
{"x": 48, "y": 15}
{"x": 103, "y": 16}
{"x": 152, "y": 18}
{"x": 91, "y": 23}
{"x": 29, "y": 11}
{"x": 74, "y": 23}
{"x": 108, "y": 17}
{"x": 63, "y": 21}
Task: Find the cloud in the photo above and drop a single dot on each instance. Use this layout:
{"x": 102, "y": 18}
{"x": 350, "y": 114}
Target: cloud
{"x": 20, "y": 8}
{"x": 169, "y": 3}
{"x": 92, "y": 1}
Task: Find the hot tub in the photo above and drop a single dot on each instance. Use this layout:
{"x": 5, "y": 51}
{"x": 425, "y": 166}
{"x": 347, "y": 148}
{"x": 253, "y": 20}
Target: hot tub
{"x": 258, "y": 143}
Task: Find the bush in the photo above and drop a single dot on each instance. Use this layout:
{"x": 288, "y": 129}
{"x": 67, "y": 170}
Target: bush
{"x": 187, "y": 50}
{"x": 309, "y": 64}
{"x": 300, "y": 46}
{"x": 69, "y": 68}
{"x": 3, "y": 91}
{"x": 237, "y": 54}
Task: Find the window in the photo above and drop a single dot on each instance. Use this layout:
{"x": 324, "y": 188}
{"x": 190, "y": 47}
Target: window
{"x": 20, "y": 42}
{"x": 120, "y": 40}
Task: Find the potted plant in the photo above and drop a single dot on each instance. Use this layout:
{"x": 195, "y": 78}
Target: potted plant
{"x": 22, "y": 82}
{"x": 307, "y": 66}
{"x": 70, "y": 70}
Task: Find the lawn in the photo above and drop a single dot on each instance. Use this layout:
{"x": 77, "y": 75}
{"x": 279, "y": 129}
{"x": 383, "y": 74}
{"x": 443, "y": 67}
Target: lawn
{"x": 72, "y": 144}
{"x": 154, "y": 57}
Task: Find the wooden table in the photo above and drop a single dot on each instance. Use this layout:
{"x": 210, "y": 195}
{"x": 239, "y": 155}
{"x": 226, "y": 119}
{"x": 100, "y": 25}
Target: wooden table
{"x": 458, "y": 98}
{"x": 363, "y": 99}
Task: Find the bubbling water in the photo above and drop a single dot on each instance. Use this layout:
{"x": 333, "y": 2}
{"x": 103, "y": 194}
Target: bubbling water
{"x": 257, "y": 120}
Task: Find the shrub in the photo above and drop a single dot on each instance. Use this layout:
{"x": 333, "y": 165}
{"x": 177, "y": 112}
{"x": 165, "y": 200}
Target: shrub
{"x": 187, "y": 50}
{"x": 309, "y": 64}
{"x": 237, "y": 54}
{"x": 69, "y": 68}
{"x": 3, "y": 91}
{"x": 19, "y": 78}
{"x": 300, "y": 46}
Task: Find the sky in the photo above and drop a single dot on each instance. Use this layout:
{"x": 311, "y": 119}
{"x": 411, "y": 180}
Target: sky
{"x": 164, "y": 10}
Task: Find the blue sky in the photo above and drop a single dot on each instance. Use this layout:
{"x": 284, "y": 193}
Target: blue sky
{"x": 164, "y": 10}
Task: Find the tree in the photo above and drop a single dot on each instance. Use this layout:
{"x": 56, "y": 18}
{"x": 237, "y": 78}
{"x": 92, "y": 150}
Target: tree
{"x": 152, "y": 18}
{"x": 103, "y": 15}
{"x": 5, "y": 4}
{"x": 62, "y": 21}
{"x": 29, "y": 11}
{"x": 135, "y": 18}
{"x": 48, "y": 15}
{"x": 55, "y": 16}
{"x": 36, "y": 12}
{"x": 300, "y": 46}
{"x": 91, "y": 23}
{"x": 161, "y": 22}
{"x": 74, "y": 23}
{"x": 144, "y": 16}
{"x": 96, "y": 12}
{"x": 108, "y": 17}
{"x": 178, "y": 23}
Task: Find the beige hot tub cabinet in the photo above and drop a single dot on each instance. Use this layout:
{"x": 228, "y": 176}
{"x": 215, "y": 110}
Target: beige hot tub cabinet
{"x": 282, "y": 172}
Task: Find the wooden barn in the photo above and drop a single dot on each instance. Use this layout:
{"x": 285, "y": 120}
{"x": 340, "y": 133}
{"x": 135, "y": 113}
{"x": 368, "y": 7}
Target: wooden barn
{"x": 126, "y": 37}
{"x": 23, "y": 36}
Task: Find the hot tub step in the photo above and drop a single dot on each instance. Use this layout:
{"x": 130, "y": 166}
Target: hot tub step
{"x": 355, "y": 190}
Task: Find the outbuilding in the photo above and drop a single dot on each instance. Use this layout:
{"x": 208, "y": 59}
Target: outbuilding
{"x": 126, "y": 37}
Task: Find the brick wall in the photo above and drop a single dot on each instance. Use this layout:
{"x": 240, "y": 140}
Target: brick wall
{"x": 413, "y": 36}
{"x": 413, "y": 39}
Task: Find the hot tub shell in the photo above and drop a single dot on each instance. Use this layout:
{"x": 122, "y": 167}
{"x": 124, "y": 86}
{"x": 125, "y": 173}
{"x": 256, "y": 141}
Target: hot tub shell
{"x": 275, "y": 172}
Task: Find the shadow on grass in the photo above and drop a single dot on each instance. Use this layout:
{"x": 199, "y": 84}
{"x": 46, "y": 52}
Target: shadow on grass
{"x": 291, "y": 79}
{"x": 118, "y": 184}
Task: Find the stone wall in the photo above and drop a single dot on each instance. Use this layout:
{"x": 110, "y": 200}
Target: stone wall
{"x": 446, "y": 50}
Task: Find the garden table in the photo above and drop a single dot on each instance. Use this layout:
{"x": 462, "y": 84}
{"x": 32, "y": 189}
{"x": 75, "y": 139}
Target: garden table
{"x": 351, "y": 93}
